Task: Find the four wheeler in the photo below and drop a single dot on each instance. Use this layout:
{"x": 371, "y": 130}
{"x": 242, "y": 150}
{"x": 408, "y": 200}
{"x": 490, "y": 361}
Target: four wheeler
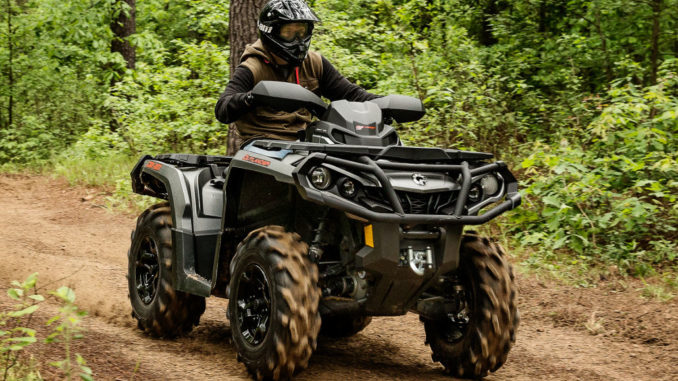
{"x": 319, "y": 235}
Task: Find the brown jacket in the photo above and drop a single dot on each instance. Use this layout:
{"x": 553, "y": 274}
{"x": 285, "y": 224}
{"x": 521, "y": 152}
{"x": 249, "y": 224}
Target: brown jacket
{"x": 267, "y": 122}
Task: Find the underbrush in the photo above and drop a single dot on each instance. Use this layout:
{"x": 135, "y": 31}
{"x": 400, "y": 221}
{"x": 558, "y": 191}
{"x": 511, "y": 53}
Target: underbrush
{"x": 20, "y": 331}
{"x": 109, "y": 174}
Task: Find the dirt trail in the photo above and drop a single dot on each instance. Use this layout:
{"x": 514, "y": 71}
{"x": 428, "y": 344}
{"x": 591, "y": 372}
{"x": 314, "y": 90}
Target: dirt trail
{"x": 60, "y": 232}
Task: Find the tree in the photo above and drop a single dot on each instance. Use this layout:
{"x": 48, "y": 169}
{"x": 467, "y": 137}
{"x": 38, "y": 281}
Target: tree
{"x": 123, "y": 25}
{"x": 654, "y": 44}
{"x": 243, "y": 16}
{"x": 10, "y": 66}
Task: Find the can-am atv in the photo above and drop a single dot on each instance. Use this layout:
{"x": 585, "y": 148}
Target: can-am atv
{"x": 318, "y": 236}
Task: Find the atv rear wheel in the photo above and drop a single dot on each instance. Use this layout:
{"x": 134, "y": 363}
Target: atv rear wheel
{"x": 273, "y": 303}
{"x": 344, "y": 325}
{"x": 160, "y": 310}
{"x": 478, "y": 339}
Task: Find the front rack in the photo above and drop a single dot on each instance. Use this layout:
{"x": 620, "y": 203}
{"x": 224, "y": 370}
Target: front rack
{"x": 390, "y": 152}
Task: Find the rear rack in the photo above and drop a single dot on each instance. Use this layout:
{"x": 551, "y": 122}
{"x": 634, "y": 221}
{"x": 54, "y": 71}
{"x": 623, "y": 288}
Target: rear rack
{"x": 376, "y": 168}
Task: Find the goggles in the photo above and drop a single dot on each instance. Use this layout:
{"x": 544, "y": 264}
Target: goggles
{"x": 294, "y": 30}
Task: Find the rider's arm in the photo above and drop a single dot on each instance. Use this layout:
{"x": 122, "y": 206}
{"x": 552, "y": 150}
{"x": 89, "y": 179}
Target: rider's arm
{"x": 233, "y": 102}
{"x": 335, "y": 86}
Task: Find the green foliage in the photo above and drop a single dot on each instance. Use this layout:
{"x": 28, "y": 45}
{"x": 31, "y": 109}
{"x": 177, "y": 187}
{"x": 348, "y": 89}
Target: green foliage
{"x": 580, "y": 94}
{"x": 610, "y": 197}
{"x": 171, "y": 108}
{"x": 65, "y": 330}
{"x": 16, "y": 336}
{"x": 61, "y": 64}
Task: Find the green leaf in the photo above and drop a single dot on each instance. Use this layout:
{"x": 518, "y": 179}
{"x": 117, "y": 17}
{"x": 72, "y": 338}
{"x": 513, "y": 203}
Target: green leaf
{"x": 65, "y": 294}
{"x": 560, "y": 243}
{"x": 15, "y": 293}
{"x": 37, "y": 297}
{"x": 527, "y": 163}
{"x": 52, "y": 320}
{"x": 25, "y": 311}
{"x": 31, "y": 281}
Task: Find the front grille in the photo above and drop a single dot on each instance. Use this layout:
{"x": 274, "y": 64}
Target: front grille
{"x": 425, "y": 203}
{"x": 412, "y": 202}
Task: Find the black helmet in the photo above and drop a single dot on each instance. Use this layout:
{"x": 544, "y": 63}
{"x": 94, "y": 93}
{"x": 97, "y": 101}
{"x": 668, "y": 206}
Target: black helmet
{"x": 292, "y": 45}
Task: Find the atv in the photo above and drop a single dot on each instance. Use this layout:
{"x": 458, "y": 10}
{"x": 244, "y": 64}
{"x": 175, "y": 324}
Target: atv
{"x": 319, "y": 235}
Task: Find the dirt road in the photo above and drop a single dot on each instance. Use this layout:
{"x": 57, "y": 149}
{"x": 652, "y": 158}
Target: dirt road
{"x": 63, "y": 234}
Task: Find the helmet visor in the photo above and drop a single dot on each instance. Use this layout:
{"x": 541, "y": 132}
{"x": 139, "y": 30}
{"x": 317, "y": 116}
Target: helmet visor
{"x": 294, "y": 30}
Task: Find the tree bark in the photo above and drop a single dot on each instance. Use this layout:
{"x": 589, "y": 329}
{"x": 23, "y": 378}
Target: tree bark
{"x": 10, "y": 47}
{"x": 603, "y": 42}
{"x": 654, "y": 54}
{"x": 243, "y": 16}
{"x": 123, "y": 26}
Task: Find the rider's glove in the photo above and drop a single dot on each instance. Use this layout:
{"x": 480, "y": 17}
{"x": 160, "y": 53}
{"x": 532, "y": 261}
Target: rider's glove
{"x": 249, "y": 99}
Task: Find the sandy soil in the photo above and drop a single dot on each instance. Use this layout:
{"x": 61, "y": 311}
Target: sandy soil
{"x": 606, "y": 333}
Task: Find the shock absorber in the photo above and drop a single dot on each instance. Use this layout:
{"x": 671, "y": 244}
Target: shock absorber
{"x": 315, "y": 251}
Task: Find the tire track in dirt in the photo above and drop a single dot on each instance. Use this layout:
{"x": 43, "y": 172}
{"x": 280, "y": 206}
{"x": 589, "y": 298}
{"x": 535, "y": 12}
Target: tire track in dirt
{"x": 46, "y": 227}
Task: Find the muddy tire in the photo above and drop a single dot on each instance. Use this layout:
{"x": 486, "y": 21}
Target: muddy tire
{"x": 343, "y": 326}
{"x": 482, "y": 344}
{"x": 160, "y": 310}
{"x": 273, "y": 303}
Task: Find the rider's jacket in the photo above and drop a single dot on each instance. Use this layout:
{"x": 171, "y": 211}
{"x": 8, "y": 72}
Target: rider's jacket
{"x": 256, "y": 64}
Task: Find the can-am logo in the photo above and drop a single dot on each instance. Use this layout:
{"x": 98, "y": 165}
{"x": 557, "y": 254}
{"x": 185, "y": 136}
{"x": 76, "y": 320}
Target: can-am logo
{"x": 419, "y": 179}
{"x": 256, "y": 160}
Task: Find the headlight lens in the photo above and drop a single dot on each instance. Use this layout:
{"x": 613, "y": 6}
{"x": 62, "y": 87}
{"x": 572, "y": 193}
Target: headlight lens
{"x": 321, "y": 178}
{"x": 490, "y": 185}
{"x": 475, "y": 193}
{"x": 348, "y": 188}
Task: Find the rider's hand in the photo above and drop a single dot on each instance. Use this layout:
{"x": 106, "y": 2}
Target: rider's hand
{"x": 249, "y": 99}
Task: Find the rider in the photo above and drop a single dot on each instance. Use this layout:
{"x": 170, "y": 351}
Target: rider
{"x": 281, "y": 54}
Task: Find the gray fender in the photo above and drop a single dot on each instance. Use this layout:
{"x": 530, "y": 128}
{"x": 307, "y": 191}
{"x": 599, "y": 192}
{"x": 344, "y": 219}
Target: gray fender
{"x": 183, "y": 249}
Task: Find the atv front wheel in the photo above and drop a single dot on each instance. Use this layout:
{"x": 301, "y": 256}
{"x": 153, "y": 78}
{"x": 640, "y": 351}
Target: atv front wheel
{"x": 273, "y": 303}
{"x": 160, "y": 310}
{"x": 344, "y": 325}
{"x": 478, "y": 339}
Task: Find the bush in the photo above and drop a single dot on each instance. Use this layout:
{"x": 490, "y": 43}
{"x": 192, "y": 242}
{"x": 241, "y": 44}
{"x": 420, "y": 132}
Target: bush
{"x": 612, "y": 196}
{"x": 16, "y": 334}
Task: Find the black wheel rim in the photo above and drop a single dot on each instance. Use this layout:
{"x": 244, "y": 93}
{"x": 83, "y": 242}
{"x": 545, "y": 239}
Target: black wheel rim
{"x": 147, "y": 270}
{"x": 253, "y": 304}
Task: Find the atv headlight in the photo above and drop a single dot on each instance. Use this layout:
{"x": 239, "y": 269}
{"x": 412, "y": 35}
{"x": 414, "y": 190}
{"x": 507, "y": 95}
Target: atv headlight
{"x": 475, "y": 194}
{"x": 348, "y": 188}
{"x": 321, "y": 178}
{"x": 490, "y": 185}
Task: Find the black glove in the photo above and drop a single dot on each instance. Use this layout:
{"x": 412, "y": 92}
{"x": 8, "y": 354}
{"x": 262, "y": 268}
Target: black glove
{"x": 249, "y": 99}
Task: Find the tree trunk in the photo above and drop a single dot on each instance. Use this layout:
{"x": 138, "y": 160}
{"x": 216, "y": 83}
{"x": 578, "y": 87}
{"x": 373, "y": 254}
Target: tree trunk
{"x": 542, "y": 17}
{"x": 486, "y": 36}
{"x": 654, "y": 55}
{"x": 123, "y": 26}
{"x": 243, "y": 16}
{"x": 10, "y": 48}
{"x": 603, "y": 42}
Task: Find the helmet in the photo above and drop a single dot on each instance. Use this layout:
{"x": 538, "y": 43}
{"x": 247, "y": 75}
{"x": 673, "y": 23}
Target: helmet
{"x": 285, "y": 28}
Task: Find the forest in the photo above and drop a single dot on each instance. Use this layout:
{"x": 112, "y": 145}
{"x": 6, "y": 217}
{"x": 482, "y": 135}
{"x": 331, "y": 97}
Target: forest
{"x": 580, "y": 97}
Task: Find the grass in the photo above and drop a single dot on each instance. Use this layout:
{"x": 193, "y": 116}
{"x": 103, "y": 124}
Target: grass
{"x": 111, "y": 174}
{"x": 660, "y": 292}
{"x": 103, "y": 172}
